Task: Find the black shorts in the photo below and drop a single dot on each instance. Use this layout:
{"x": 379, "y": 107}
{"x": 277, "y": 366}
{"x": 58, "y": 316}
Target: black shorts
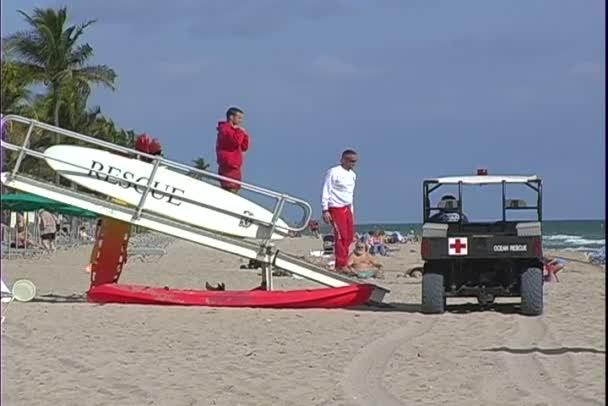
{"x": 48, "y": 236}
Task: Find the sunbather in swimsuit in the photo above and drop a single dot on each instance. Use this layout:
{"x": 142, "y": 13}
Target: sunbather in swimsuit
{"x": 362, "y": 264}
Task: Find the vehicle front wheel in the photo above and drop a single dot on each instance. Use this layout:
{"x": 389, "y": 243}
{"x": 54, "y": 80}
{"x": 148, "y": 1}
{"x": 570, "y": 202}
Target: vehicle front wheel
{"x": 433, "y": 293}
{"x": 532, "y": 292}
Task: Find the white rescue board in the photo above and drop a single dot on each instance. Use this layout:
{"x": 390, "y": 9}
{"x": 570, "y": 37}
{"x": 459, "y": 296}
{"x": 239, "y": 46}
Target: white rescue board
{"x": 213, "y": 207}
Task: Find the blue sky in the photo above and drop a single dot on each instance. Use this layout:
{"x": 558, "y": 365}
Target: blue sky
{"x": 420, "y": 88}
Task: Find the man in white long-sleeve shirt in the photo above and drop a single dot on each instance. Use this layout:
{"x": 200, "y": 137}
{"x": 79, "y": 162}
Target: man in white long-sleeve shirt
{"x": 337, "y": 205}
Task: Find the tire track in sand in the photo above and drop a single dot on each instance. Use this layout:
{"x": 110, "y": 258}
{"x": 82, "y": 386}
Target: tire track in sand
{"x": 363, "y": 380}
{"x": 497, "y": 382}
{"x": 528, "y": 373}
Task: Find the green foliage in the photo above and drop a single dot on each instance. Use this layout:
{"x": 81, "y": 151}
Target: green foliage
{"x": 51, "y": 53}
{"x": 199, "y": 163}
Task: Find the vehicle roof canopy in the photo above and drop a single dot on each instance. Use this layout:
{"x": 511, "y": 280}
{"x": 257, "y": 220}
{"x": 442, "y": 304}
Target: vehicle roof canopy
{"x": 484, "y": 179}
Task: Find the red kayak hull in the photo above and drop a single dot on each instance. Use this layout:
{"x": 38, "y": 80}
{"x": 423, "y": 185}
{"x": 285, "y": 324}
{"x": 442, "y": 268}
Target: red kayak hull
{"x": 346, "y": 296}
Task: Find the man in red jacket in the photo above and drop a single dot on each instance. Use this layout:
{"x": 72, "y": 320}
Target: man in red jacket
{"x": 232, "y": 141}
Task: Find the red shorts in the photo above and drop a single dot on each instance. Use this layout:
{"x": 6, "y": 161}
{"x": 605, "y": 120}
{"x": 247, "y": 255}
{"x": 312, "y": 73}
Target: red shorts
{"x": 230, "y": 172}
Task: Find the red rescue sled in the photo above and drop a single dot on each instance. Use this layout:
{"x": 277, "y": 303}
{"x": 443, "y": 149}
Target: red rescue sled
{"x": 346, "y": 296}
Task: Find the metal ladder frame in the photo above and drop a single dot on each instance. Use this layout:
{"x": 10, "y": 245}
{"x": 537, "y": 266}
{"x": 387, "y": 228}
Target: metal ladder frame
{"x": 263, "y": 251}
{"x": 280, "y": 198}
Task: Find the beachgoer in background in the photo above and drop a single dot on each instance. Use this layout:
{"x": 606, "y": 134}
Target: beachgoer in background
{"x": 20, "y": 234}
{"x": 597, "y": 257}
{"x": 395, "y": 237}
{"x": 20, "y": 222}
{"x": 337, "y": 205}
{"x": 232, "y": 141}
{"x": 362, "y": 264}
{"x": 376, "y": 243}
{"x": 412, "y": 236}
{"x": 552, "y": 267}
{"x": 315, "y": 228}
{"x": 364, "y": 238}
{"x": 83, "y": 235}
{"x": 48, "y": 229}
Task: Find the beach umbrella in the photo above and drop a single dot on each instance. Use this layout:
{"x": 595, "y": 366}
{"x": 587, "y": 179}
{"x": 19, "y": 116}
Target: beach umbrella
{"x": 24, "y": 202}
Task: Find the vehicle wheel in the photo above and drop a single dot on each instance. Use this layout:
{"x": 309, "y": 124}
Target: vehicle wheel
{"x": 433, "y": 293}
{"x": 532, "y": 292}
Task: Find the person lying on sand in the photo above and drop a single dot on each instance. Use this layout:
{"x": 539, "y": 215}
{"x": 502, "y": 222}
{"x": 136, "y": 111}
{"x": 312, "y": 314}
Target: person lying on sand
{"x": 552, "y": 267}
{"x": 362, "y": 264}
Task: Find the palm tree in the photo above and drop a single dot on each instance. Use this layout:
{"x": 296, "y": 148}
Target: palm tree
{"x": 199, "y": 163}
{"x": 14, "y": 92}
{"x": 49, "y": 53}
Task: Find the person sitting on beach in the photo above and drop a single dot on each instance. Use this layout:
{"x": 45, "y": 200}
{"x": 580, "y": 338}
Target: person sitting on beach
{"x": 552, "y": 267}
{"x": 362, "y": 264}
{"x": 448, "y": 212}
{"x": 22, "y": 242}
{"x": 83, "y": 235}
{"x": 376, "y": 244}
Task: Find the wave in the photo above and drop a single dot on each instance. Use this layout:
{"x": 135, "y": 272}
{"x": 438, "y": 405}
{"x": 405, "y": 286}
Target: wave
{"x": 580, "y": 241}
{"x": 579, "y": 249}
{"x": 560, "y": 237}
{"x": 575, "y": 243}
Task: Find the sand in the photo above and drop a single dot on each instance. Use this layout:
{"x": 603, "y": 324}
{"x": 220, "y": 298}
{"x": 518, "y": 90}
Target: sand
{"x": 61, "y": 350}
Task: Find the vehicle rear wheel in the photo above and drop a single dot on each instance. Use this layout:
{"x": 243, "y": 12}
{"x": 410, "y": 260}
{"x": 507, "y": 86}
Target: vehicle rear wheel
{"x": 433, "y": 293}
{"x": 532, "y": 292}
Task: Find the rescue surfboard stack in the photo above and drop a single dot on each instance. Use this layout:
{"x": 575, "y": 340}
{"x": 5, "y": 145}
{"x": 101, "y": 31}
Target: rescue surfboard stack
{"x": 175, "y": 195}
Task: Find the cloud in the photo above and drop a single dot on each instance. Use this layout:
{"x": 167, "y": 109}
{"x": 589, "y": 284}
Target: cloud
{"x": 588, "y": 69}
{"x": 241, "y": 18}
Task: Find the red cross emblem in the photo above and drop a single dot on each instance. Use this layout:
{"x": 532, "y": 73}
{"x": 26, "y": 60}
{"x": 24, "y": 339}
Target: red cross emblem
{"x": 458, "y": 246}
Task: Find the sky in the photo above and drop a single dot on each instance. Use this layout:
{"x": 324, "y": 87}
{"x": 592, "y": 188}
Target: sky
{"x": 419, "y": 88}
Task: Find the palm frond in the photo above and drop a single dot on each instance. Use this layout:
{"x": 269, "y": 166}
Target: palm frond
{"x": 98, "y": 74}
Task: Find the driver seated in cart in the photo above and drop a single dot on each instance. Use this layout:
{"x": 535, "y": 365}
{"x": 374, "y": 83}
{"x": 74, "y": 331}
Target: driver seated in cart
{"x": 448, "y": 211}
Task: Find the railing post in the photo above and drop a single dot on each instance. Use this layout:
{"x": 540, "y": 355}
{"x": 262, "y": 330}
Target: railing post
{"x": 22, "y": 151}
{"x": 276, "y": 215}
{"x": 144, "y": 195}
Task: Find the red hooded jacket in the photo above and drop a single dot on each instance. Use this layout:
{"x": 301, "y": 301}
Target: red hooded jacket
{"x": 230, "y": 145}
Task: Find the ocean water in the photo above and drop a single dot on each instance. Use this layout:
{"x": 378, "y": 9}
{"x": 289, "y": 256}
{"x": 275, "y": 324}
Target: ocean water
{"x": 576, "y": 235}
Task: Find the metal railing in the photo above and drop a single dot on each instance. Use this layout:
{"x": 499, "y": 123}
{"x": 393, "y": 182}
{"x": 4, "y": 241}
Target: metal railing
{"x": 280, "y": 199}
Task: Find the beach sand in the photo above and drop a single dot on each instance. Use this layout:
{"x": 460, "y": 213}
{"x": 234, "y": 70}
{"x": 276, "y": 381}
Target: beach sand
{"x": 61, "y": 350}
